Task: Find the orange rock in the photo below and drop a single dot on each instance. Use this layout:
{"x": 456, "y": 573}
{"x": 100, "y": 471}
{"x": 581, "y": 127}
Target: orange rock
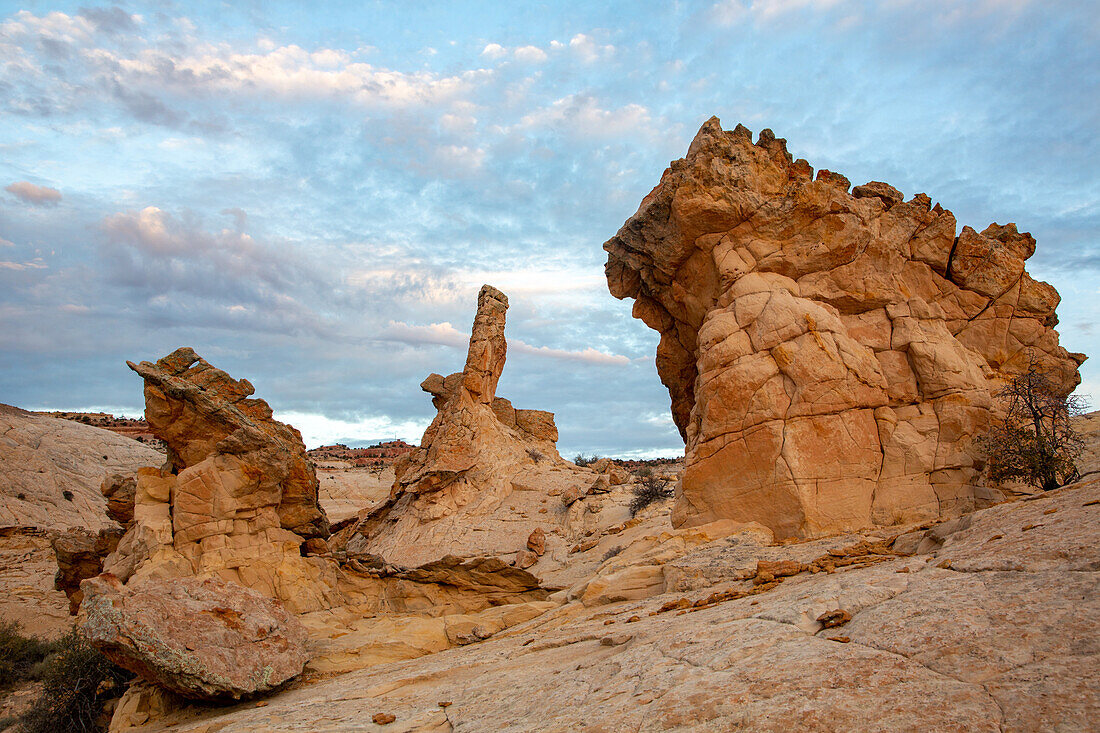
{"x": 830, "y": 356}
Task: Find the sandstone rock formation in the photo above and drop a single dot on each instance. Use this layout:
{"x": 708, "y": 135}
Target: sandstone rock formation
{"x": 485, "y": 471}
{"x": 205, "y": 416}
{"x": 203, "y": 639}
{"x": 51, "y": 470}
{"x": 994, "y": 629}
{"x": 830, "y": 355}
{"x": 236, "y": 498}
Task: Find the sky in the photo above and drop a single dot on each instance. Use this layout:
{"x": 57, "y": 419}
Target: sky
{"x": 311, "y": 195}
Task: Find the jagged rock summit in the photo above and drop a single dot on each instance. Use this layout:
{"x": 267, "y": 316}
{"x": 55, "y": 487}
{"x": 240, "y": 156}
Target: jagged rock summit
{"x": 485, "y": 473}
{"x": 830, "y": 354}
{"x": 201, "y": 412}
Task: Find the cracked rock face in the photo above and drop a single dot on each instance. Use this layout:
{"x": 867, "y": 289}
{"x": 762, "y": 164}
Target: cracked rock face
{"x": 203, "y": 414}
{"x": 203, "y": 639}
{"x": 481, "y": 480}
{"x": 830, "y": 354}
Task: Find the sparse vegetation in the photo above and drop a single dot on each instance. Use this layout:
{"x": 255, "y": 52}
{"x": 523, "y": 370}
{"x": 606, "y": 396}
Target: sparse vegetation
{"x": 535, "y": 454}
{"x": 584, "y": 460}
{"x": 611, "y": 553}
{"x": 67, "y": 495}
{"x": 77, "y": 681}
{"x": 20, "y": 656}
{"x": 650, "y": 490}
{"x": 1035, "y": 442}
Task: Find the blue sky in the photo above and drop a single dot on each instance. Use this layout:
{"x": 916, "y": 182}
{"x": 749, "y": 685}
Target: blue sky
{"x": 310, "y": 195}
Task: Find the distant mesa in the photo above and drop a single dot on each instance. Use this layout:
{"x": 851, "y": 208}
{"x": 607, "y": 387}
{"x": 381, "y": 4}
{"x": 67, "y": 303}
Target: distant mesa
{"x": 830, "y": 354}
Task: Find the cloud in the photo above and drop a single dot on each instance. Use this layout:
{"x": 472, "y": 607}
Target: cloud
{"x": 587, "y": 355}
{"x": 34, "y": 195}
{"x": 440, "y": 334}
{"x": 588, "y": 49}
{"x": 35, "y": 264}
{"x": 530, "y": 54}
{"x": 582, "y": 115}
{"x": 493, "y": 51}
{"x": 110, "y": 20}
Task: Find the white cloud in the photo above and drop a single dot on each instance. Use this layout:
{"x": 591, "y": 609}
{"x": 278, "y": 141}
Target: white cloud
{"x": 440, "y": 334}
{"x": 588, "y": 49}
{"x": 583, "y": 116}
{"x": 6, "y": 243}
{"x": 530, "y": 54}
{"x": 493, "y": 51}
{"x": 318, "y": 430}
{"x": 588, "y": 355}
{"x": 35, "y": 264}
{"x": 36, "y": 195}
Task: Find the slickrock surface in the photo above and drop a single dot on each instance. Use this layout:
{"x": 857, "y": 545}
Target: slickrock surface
{"x": 830, "y": 354}
{"x": 27, "y": 593}
{"x": 993, "y": 629}
{"x": 43, "y": 458}
{"x": 486, "y": 474}
{"x": 203, "y": 639}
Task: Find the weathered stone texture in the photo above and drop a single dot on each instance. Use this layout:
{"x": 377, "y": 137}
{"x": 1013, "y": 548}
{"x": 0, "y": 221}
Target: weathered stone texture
{"x": 830, "y": 355}
{"x": 203, "y": 639}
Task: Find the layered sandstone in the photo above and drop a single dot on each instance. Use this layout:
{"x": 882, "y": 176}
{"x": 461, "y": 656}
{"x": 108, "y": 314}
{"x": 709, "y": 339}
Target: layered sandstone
{"x": 236, "y": 499}
{"x": 830, "y": 354}
{"x": 486, "y": 474}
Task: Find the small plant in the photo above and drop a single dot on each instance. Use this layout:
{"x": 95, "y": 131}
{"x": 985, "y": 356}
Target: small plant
{"x": 77, "y": 680}
{"x": 611, "y": 553}
{"x": 535, "y": 454}
{"x": 20, "y": 655}
{"x": 1035, "y": 441}
{"x": 649, "y": 491}
{"x": 68, "y": 495}
{"x": 583, "y": 460}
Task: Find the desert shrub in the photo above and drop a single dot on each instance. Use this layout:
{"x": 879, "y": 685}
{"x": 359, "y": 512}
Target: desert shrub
{"x": 535, "y": 454}
{"x": 19, "y": 655}
{"x": 1035, "y": 441}
{"x": 585, "y": 460}
{"x": 649, "y": 490}
{"x": 612, "y": 553}
{"x": 67, "y": 495}
{"x": 77, "y": 680}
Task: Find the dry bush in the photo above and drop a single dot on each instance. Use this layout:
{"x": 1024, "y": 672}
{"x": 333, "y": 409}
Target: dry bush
{"x": 649, "y": 490}
{"x": 1035, "y": 442}
{"x": 20, "y": 656}
{"x": 77, "y": 680}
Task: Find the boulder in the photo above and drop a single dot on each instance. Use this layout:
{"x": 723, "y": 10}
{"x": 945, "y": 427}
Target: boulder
{"x": 830, "y": 356}
{"x": 203, "y": 639}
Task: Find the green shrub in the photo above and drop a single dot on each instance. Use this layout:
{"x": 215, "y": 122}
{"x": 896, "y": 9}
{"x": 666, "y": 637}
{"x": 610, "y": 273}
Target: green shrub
{"x": 76, "y": 682}
{"x": 649, "y": 490}
{"x": 583, "y": 460}
{"x": 20, "y": 655}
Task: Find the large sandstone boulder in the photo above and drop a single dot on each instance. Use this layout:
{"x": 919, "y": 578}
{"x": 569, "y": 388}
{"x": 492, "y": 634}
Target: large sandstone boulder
{"x": 203, "y": 639}
{"x": 486, "y": 474}
{"x": 830, "y": 355}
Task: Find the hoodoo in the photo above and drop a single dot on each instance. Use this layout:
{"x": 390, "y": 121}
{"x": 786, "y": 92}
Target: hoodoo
{"x": 830, "y": 354}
